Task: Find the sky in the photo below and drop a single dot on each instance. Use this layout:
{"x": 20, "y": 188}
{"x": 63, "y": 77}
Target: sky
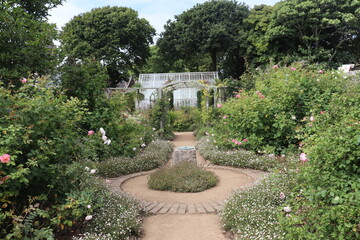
{"x": 157, "y": 12}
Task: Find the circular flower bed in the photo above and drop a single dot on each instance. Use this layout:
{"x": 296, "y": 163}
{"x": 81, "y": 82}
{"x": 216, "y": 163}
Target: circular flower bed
{"x": 183, "y": 177}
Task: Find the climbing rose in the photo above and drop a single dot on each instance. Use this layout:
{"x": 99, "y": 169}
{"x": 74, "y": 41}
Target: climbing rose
{"x": 237, "y": 96}
{"x": 275, "y": 67}
{"x": 303, "y": 158}
{"x": 5, "y": 158}
{"x": 312, "y": 119}
{"x": 92, "y": 171}
{"x": 104, "y": 138}
{"x": 219, "y": 105}
{"x": 292, "y": 69}
{"x": 245, "y": 140}
{"x": 320, "y": 71}
{"x": 87, "y": 169}
{"x": 88, "y": 217}
{"x": 224, "y": 117}
{"x": 322, "y": 112}
{"x": 91, "y": 132}
{"x": 23, "y": 80}
{"x": 238, "y": 143}
{"x": 107, "y": 142}
{"x": 88, "y": 206}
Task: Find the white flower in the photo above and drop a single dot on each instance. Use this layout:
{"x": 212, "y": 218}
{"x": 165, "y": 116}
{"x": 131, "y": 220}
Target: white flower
{"x": 88, "y": 206}
{"x": 134, "y": 149}
{"x": 153, "y": 129}
{"x": 102, "y": 131}
{"x": 293, "y": 117}
{"x": 88, "y": 217}
{"x": 87, "y": 169}
{"x": 92, "y": 171}
{"x": 287, "y": 209}
{"x": 107, "y": 142}
{"x": 143, "y": 145}
{"x": 212, "y": 135}
{"x": 104, "y": 138}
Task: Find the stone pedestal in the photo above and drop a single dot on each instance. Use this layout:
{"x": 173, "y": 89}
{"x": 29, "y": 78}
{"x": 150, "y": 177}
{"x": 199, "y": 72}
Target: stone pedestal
{"x": 184, "y": 154}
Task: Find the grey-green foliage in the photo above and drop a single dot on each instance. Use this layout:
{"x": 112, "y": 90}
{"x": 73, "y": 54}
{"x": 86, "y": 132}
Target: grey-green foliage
{"x": 155, "y": 155}
{"x": 237, "y": 158}
{"x": 116, "y": 36}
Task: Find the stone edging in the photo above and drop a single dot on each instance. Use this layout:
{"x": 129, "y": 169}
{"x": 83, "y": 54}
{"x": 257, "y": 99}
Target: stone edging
{"x": 182, "y": 208}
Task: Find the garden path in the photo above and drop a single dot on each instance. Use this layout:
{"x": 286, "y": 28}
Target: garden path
{"x": 190, "y": 216}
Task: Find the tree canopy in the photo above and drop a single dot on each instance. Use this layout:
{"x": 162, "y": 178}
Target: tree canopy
{"x": 26, "y": 40}
{"x": 115, "y": 36}
{"x": 209, "y": 30}
{"x": 312, "y": 30}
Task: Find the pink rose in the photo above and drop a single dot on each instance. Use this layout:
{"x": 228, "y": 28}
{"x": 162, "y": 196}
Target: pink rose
{"x": 91, "y": 132}
{"x": 224, "y": 117}
{"x": 292, "y": 69}
{"x": 275, "y": 67}
{"x": 23, "y": 80}
{"x": 238, "y": 143}
{"x": 312, "y": 119}
{"x": 303, "y": 158}
{"x": 282, "y": 196}
{"x": 322, "y": 112}
{"x": 237, "y": 96}
{"x": 219, "y": 105}
{"x": 245, "y": 140}
{"x": 320, "y": 71}
{"x": 5, "y": 158}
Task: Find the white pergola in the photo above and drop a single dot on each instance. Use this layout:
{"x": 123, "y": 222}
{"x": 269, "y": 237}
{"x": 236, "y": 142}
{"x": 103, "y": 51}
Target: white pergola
{"x": 184, "y": 85}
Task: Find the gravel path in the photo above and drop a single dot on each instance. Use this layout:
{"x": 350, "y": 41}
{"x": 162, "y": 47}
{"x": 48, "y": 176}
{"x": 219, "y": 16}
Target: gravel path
{"x": 190, "y": 216}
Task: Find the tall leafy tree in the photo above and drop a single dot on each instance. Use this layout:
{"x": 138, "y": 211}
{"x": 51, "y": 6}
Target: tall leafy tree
{"x": 115, "y": 36}
{"x": 208, "y": 30}
{"x": 316, "y": 30}
{"x": 26, "y": 39}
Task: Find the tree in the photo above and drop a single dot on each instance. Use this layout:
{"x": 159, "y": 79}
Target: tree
{"x": 115, "y": 36}
{"x": 257, "y": 24}
{"x": 208, "y": 30}
{"x": 38, "y": 9}
{"x": 318, "y": 31}
{"x": 85, "y": 80}
{"x": 26, "y": 42}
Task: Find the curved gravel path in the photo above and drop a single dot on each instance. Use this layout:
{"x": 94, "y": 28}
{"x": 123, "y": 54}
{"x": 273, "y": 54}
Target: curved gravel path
{"x": 185, "y": 215}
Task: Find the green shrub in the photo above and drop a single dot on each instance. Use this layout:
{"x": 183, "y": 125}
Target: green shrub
{"x": 271, "y": 117}
{"x": 183, "y": 177}
{"x": 236, "y": 158}
{"x": 329, "y": 206}
{"x": 253, "y": 213}
{"x": 155, "y": 155}
{"x": 184, "y": 119}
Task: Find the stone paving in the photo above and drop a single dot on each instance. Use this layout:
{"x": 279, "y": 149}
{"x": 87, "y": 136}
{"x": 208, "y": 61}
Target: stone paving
{"x": 155, "y": 207}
